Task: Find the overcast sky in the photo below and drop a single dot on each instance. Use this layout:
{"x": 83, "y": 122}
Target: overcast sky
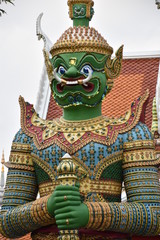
{"x": 134, "y": 23}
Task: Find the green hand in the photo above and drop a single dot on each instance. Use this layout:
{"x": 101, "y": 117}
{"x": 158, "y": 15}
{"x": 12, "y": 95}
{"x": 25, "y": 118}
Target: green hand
{"x": 72, "y": 217}
{"x": 63, "y": 196}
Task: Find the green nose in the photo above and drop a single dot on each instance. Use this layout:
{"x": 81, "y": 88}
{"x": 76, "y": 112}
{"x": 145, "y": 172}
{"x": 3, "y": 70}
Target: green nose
{"x": 72, "y": 72}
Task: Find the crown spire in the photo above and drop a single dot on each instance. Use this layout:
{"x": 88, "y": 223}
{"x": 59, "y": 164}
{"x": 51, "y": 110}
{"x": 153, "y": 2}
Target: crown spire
{"x": 81, "y": 12}
{"x": 2, "y": 160}
{"x": 2, "y": 170}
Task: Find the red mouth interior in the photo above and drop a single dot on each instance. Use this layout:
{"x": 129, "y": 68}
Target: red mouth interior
{"x": 88, "y": 88}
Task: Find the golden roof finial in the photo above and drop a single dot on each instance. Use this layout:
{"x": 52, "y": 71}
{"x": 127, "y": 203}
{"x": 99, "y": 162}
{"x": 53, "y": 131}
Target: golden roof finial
{"x": 2, "y": 160}
{"x": 154, "y": 127}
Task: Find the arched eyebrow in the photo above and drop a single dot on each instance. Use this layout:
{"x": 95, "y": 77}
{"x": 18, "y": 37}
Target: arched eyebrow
{"x": 91, "y": 59}
{"x": 58, "y": 60}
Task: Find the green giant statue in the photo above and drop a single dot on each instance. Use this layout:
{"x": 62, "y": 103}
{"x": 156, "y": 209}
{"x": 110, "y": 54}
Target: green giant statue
{"x": 82, "y": 197}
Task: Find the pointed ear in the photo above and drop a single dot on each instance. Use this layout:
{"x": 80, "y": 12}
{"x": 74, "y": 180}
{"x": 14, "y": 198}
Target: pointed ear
{"x": 49, "y": 66}
{"x": 113, "y": 66}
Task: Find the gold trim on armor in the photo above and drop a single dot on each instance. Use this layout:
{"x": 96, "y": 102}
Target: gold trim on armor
{"x": 73, "y": 129}
{"x": 21, "y": 158}
{"x": 146, "y": 163}
{"x": 97, "y": 120}
{"x": 139, "y": 144}
{"x": 86, "y": 186}
{"x": 99, "y": 186}
{"x": 22, "y": 147}
{"x": 61, "y": 48}
{"x": 19, "y": 166}
{"x": 139, "y": 156}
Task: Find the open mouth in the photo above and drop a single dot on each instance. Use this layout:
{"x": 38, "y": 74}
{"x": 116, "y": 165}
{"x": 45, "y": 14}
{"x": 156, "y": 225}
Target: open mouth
{"x": 88, "y": 87}
{"x": 84, "y": 82}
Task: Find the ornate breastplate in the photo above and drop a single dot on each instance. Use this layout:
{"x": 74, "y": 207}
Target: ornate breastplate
{"x": 73, "y": 135}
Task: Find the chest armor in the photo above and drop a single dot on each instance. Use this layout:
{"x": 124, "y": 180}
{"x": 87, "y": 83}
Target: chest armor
{"x": 96, "y": 146}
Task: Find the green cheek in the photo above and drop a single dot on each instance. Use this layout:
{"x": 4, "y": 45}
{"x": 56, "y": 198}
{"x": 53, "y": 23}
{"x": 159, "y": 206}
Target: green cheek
{"x": 77, "y": 89}
{"x": 76, "y": 95}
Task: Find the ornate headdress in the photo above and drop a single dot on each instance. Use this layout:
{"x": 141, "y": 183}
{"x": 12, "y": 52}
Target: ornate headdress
{"x": 81, "y": 38}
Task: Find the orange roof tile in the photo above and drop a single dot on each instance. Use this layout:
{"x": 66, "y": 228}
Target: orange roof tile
{"x": 136, "y": 76}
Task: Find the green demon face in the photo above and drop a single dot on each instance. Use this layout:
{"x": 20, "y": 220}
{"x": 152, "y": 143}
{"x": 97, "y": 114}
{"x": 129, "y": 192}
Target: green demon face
{"x": 79, "y": 79}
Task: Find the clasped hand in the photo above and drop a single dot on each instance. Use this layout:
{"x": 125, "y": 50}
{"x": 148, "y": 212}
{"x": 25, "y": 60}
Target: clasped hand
{"x": 66, "y": 206}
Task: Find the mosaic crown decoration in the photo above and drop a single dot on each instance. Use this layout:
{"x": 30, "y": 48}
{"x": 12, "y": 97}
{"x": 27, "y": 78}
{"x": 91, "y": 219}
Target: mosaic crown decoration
{"x": 78, "y": 12}
{"x": 81, "y": 37}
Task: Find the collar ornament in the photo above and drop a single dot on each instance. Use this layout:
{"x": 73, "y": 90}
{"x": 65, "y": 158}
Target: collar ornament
{"x": 73, "y": 135}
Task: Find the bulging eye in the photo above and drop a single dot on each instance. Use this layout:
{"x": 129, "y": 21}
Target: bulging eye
{"x": 86, "y": 70}
{"x": 61, "y": 70}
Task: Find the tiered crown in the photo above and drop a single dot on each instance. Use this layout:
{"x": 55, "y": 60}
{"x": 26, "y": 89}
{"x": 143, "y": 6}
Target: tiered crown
{"x": 81, "y": 39}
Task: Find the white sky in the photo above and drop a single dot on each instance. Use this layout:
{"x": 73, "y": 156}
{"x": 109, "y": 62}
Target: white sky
{"x": 134, "y": 23}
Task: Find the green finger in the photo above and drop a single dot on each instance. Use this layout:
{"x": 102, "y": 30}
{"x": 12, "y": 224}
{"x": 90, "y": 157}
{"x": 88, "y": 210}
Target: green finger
{"x": 64, "y": 216}
{"x": 67, "y": 198}
{"x": 65, "y": 204}
{"x": 64, "y": 222}
{"x": 64, "y": 210}
{"x": 66, "y": 193}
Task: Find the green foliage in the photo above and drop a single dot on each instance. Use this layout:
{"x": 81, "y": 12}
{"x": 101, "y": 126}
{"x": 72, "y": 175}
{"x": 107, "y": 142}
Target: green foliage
{"x": 2, "y": 11}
